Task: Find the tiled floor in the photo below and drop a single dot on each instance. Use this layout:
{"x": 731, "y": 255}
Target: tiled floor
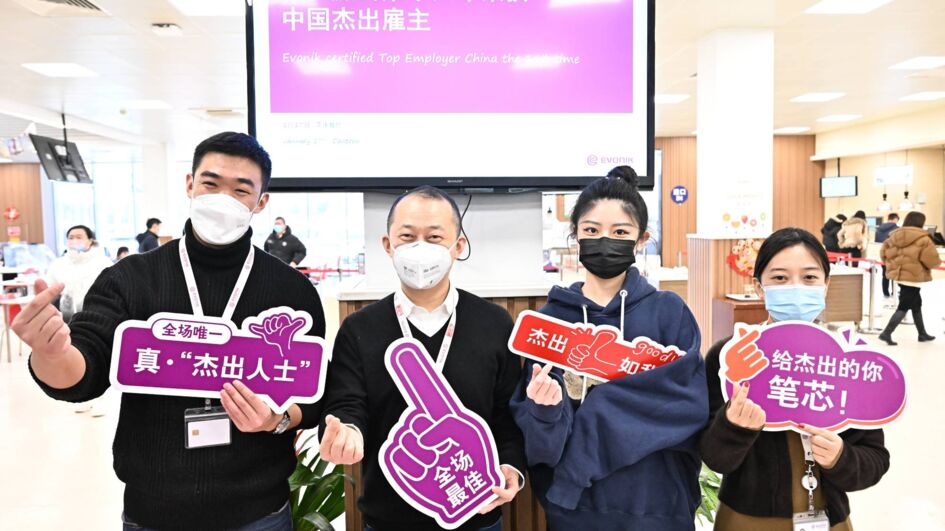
{"x": 56, "y": 473}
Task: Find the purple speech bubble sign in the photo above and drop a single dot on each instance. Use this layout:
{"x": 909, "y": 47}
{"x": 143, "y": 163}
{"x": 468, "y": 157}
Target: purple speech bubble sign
{"x": 440, "y": 457}
{"x": 184, "y": 355}
{"x": 802, "y": 374}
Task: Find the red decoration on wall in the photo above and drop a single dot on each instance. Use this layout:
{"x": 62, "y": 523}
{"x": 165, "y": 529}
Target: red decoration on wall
{"x": 743, "y": 255}
{"x": 11, "y": 214}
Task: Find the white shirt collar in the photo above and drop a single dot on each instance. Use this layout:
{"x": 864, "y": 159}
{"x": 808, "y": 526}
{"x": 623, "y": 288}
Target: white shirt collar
{"x": 426, "y": 321}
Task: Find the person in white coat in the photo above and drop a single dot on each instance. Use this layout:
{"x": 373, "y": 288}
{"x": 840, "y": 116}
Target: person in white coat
{"x": 77, "y": 270}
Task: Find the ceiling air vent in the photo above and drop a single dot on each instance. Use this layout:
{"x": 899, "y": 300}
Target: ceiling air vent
{"x": 63, "y": 8}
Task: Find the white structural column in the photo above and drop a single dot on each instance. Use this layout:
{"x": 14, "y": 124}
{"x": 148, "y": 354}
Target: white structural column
{"x": 735, "y": 124}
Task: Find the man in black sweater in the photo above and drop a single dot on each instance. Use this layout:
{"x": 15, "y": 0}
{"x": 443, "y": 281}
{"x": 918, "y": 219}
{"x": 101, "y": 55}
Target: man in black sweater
{"x": 361, "y": 400}
{"x": 284, "y": 245}
{"x": 166, "y": 485}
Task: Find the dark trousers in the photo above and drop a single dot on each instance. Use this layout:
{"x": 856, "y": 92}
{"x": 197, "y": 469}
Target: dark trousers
{"x": 886, "y": 283}
{"x": 909, "y": 299}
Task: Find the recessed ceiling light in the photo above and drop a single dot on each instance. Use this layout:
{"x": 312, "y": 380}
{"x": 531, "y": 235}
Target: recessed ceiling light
{"x": 211, "y": 8}
{"x": 60, "y": 69}
{"x": 840, "y": 118}
{"x": 845, "y": 7}
{"x": 670, "y": 98}
{"x": 818, "y": 97}
{"x": 924, "y": 96}
{"x": 166, "y": 29}
{"x": 146, "y": 105}
{"x": 791, "y": 130}
{"x": 923, "y": 62}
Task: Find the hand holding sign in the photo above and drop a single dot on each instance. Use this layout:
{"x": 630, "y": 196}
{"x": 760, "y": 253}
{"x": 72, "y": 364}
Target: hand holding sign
{"x": 277, "y": 330}
{"x": 440, "y": 457}
{"x": 803, "y": 375}
{"x": 743, "y": 359}
{"x": 826, "y": 446}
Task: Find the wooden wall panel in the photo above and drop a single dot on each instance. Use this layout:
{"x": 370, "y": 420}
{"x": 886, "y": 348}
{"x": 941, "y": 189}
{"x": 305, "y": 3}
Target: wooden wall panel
{"x": 796, "y": 186}
{"x": 710, "y": 278}
{"x": 679, "y": 168}
{"x": 20, "y": 187}
{"x": 797, "y": 201}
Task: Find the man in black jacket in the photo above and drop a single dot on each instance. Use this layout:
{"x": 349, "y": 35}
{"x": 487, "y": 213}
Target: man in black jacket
{"x": 284, "y": 245}
{"x": 148, "y": 240}
{"x": 168, "y": 486}
{"x": 361, "y": 400}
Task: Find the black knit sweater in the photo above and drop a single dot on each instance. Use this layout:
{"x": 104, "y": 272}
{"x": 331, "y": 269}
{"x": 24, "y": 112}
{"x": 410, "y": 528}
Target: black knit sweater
{"x": 166, "y": 485}
{"x": 361, "y": 392}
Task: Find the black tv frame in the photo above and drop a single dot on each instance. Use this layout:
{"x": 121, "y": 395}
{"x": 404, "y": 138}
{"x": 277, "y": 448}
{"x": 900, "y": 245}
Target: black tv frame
{"x": 53, "y": 164}
{"x": 463, "y": 184}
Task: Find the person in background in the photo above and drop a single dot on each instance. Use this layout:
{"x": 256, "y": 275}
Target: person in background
{"x": 148, "y": 240}
{"x": 362, "y": 404}
{"x": 77, "y": 270}
{"x": 910, "y": 255}
{"x": 853, "y": 234}
{"x": 242, "y": 485}
{"x": 627, "y": 456}
{"x": 122, "y": 252}
{"x": 882, "y": 234}
{"x": 762, "y": 471}
{"x": 284, "y": 245}
{"x": 829, "y": 232}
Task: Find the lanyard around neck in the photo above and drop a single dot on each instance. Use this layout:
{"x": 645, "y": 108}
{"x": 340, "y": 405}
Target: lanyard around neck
{"x": 447, "y": 337}
{"x": 194, "y": 293}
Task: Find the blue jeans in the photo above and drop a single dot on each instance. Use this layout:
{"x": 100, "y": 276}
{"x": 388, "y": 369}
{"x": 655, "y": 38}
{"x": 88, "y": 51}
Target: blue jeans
{"x": 280, "y": 520}
{"x": 496, "y": 527}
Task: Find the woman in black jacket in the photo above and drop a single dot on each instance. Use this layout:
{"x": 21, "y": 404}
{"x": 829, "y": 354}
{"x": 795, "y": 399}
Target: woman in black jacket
{"x": 761, "y": 487}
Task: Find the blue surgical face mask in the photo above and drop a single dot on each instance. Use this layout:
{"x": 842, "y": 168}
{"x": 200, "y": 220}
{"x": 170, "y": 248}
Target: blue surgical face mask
{"x": 277, "y": 229}
{"x": 794, "y": 302}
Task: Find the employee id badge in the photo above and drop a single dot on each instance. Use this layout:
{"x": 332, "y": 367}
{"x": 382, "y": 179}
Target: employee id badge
{"x": 206, "y": 427}
{"x": 814, "y": 521}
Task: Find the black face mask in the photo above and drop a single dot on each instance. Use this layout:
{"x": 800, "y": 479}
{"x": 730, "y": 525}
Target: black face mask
{"x": 607, "y": 257}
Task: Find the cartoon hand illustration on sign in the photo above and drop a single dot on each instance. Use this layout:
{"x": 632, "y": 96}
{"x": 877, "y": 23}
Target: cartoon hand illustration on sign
{"x": 440, "y": 457}
{"x": 743, "y": 360}
{"x": 582, "y": 352}
{"x": 278, "y": 330}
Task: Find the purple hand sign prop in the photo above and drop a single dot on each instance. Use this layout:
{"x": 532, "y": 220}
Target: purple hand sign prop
{"x": 802, "y": 374}
{"x": 184, "y": 355}
{"x": 440, "y": 457}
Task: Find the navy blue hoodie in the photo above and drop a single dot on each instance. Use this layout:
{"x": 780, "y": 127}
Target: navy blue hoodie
{"x": 627, "y": 458}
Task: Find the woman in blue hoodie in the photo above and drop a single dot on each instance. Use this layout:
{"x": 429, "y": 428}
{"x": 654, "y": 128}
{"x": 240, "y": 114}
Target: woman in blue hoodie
{"x": 621, "y": 455}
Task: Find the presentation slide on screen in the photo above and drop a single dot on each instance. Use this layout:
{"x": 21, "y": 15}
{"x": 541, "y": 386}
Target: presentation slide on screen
{"x": 440, "y": 88}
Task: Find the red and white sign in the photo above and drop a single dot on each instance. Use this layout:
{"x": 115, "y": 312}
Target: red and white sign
{"x": 586, "y": 349}
{"x": 11, "y": 214}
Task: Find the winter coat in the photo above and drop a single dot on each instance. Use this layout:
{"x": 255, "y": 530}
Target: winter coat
{"x": 147, "y": 241}
{"x": 288, "y": 248}
{"x": 829, "y": 234}
{"x": 909, "y": 255}
{"x": 852, "y": 234}
{"x": 78, "y": 272}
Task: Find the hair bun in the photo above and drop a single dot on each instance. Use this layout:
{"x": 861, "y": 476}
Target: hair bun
{"x": 625, "y": 174}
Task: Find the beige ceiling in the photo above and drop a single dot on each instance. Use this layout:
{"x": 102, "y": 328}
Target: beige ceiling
{"x": 206, "y": 67}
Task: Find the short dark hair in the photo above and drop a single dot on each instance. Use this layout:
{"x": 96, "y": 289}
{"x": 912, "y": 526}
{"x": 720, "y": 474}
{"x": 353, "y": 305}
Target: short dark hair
{"x": 152, "y": 222}
{"x": 892, "y": 216}
{"x": 841, "y": 217}
{"x": 280, "y": 218}
{"x": 122, "y": 250}
{"x": 860, "y": 214}
{"x": 620, "y": 184}
{"x": 428, "y": 192}
{"x": 237, "y": 145}
{"x": 790, "y": 237}
{"x": 914, "y": 219}
{"x": 89, "y": 233}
